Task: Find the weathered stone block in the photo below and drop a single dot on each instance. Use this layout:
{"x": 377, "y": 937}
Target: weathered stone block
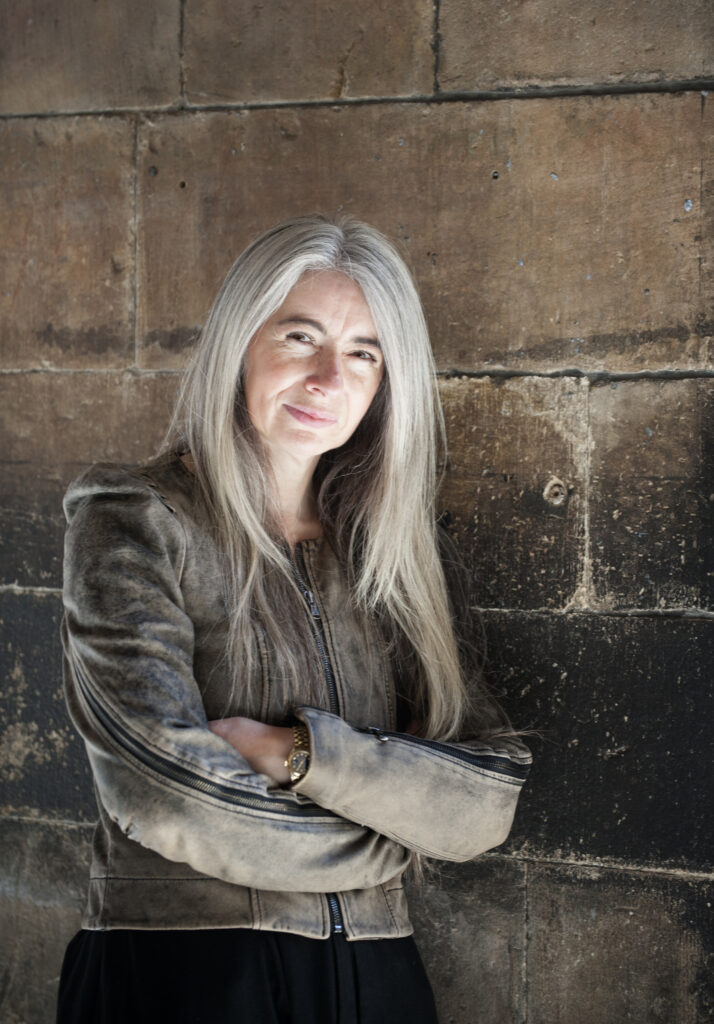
{"x": 43, "y": 765}
{"x": 622, "y": 707}
{"x": 279, "y": 51}
{"x": 43, "y": 880}
{"x": 514, "y": 488}
{"x": 470, "y": 923}
{"x": 67, "y": 258}
{"x": 88, "y": 56}
{"x": 53, "y": 426}
{"x": 619, "y": 946}
{"x": 566, "y": 42}
{"x": 532, "y": 240}
{"x": 652, "y": 494}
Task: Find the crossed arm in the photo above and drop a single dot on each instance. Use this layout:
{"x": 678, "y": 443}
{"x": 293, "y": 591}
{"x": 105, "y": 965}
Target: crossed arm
{"x": 264, "y": 747}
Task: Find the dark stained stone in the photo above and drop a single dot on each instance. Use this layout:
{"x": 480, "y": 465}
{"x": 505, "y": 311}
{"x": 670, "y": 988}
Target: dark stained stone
{"x": 513, "y": 495}
{"x": 43, "y": 879}
{"x": 619, "y": 946}
{"x": 622, "y": 709}
{"x": 652, "y": 494}
{"x": 43, "y": 765}
{"x": 470, "y": 926}
{"x": 54, "y": 426}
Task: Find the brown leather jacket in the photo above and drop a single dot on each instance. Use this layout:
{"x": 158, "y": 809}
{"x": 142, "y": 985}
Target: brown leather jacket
{"x": 188, "y": 835}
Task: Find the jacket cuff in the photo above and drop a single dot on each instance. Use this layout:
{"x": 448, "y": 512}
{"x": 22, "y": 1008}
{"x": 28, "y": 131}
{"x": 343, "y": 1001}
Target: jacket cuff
{"x": 329, "y": 755}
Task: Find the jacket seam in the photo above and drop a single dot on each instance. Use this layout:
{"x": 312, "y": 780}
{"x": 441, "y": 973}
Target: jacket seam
{"x": 256, "y": 909}
{"x": 385, "y": 896}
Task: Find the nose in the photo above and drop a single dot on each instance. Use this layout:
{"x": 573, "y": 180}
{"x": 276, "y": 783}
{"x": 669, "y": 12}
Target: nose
{"x": 326, "y": 373}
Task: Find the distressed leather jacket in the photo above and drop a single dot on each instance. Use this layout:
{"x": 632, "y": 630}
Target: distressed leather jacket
{"x": 189, "y": 836}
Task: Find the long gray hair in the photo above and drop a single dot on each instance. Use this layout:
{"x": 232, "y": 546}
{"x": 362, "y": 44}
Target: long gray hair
{"x": 375, "y": 494}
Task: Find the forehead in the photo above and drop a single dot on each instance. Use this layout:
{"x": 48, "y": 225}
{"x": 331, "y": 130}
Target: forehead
{"x": 328, "y": 291}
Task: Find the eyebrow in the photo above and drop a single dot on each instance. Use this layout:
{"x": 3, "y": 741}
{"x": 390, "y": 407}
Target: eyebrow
{"x": 310, "y": 322}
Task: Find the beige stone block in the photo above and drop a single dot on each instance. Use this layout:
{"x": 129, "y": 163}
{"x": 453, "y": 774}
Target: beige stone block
{"x": 280, "y": 50}
{"x": 67, "y": 255}
{"x": 88, "y": 55}
{"x": 514, "y": 487}
{"x": 561, "y": 233}
{"x": 54, "y": 425}
{"x": 563, "y": 42}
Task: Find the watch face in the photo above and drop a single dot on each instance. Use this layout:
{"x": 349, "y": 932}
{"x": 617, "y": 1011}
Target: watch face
{"x": 298, "y": 764}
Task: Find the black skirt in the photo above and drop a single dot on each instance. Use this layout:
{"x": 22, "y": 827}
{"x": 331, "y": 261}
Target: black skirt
{"x": 236, "y": 975}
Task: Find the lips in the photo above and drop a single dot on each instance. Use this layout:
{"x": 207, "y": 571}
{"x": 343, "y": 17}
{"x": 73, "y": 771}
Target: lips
{"x": 311, "y": 417}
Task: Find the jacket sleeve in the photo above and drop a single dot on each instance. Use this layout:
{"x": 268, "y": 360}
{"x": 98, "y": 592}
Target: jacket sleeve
{"x": 447, "y": 800}
{"x": 161, "y": 774}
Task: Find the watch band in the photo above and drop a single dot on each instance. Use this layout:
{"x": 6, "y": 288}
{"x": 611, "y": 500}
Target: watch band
{"x": 298, "y": 760}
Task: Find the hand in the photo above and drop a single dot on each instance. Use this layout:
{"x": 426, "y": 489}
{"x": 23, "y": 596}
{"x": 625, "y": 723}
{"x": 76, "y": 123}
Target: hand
{"x": 264, "y": 747}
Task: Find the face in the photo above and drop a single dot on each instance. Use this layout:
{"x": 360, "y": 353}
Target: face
{"x": 313, "y": 368}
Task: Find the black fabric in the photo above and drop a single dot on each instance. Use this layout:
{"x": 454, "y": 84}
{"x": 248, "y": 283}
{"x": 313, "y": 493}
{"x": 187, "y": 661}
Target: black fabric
{"x": 235, "y": 975}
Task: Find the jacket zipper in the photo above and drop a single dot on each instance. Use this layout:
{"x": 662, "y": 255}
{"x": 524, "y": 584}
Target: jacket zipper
{"x": 318, "y": 631}
{"x": 336, "y": 923}
{"x": 491, "y": 762}
{"x": 163, "y": 766}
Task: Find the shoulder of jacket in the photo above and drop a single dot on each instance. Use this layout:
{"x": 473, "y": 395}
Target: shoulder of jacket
{"x": 162, "y": 481}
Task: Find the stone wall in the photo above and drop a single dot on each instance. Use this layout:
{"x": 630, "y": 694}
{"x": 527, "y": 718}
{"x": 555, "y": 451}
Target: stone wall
{"x": 547, "y": 169}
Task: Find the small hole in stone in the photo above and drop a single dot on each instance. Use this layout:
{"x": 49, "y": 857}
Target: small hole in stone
{"x": 153, "y": 171}
{"x": 555, "y": 492}
{"x": 182, "y": 184}
{"x": 494, "y": 174}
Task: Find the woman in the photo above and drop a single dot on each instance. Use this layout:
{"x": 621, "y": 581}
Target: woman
{"x": 261, "y": 659}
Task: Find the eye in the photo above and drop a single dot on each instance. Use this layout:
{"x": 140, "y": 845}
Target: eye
{"x": 300, "y": 336}
{"x": 366, "y": 355}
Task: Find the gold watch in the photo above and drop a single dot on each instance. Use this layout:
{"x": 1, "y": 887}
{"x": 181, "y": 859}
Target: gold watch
{"x": 298, "y": 760}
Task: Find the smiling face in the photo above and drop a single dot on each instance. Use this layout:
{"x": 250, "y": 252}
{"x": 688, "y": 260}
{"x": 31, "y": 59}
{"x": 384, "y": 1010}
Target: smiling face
{"x": 313, "y": 368}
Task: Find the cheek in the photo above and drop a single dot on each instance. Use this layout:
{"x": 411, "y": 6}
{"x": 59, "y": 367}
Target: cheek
{"x": 366, "y": 399}
{"x": 255, "y": 391}
{"x": 259, "y": 383}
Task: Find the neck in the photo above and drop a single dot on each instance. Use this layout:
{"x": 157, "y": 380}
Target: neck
{"x": 295, "y": 500}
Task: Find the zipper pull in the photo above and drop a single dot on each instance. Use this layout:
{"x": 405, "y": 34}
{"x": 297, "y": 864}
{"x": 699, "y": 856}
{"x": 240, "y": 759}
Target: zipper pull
{"x": 378, "y": 733}
{"x": 310, "y": 598}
